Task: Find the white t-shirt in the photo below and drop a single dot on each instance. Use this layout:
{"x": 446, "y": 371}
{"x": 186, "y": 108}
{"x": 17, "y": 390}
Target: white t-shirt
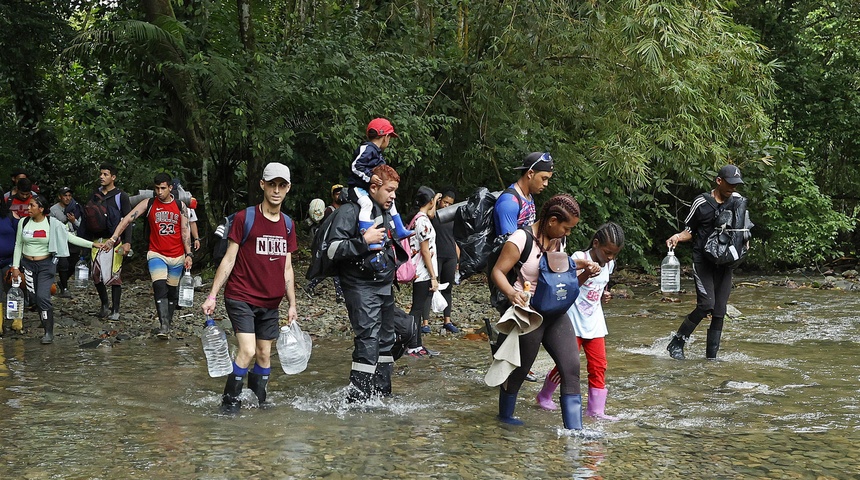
{"x": 423, "y": 231}
{"x": 586, "y": 314}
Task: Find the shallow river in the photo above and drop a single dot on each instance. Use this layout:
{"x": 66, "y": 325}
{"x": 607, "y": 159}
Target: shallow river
{"x": 781, "y": 402}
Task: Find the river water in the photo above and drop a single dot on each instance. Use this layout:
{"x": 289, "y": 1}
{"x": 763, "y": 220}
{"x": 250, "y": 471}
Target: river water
{"x": 781, "y": 402}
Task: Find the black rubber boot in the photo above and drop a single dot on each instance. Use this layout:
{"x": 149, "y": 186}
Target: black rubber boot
{"x": 258, "y": 383}
{"x": 103, "y": 297}
{"x": 571, "y": 411}
{"x": 116, "y": 295}
{"x": 361, "y": 386}
{"x": 676, "y": 346}
{"x": 507, "y": 404}
{"x": 713, "y": 343}
{"x": 162, "y": 307}
{"x": 48, "y": 324}
{"x": 230, "y": 403}
{"x": 382, "y": 379}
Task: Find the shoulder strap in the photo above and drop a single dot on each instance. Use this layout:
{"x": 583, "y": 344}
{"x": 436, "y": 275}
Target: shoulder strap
{"x": 711, "y": 200}
{"x": 513, "y": 191}
{"x": 149, "y": 204}
{"x": 26, "y": 220}
{"x": 250, "y": 215}
{"x": 288, "y": 222}
{"x": 527, "y": 248}
{"x": 118, "y": 204}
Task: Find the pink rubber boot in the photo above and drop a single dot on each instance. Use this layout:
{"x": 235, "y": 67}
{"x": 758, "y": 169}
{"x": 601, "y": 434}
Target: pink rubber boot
{"x": 597, "y": 403}
{"x": 544, "y": 397}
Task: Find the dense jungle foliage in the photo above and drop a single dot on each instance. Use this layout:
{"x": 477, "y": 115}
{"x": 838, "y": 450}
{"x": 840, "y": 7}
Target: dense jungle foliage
{"x": 639, "y": 102}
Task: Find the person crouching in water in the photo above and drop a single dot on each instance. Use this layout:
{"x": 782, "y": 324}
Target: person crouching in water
{"x": 586, "y": 314}
{"x": 557, "y": 217}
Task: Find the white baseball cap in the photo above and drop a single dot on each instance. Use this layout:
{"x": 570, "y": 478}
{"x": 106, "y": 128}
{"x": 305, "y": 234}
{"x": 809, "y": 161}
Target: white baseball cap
{"x": 276, "y": 170}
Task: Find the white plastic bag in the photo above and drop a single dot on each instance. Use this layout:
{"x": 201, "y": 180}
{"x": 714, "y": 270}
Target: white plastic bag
{"x": 438, "y": 303}
{"x": 294, "y": 349}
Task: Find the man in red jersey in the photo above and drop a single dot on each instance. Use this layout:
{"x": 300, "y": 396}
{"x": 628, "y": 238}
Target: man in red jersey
{"x": 257, "y": 271}
{"x": 169, "y": 237}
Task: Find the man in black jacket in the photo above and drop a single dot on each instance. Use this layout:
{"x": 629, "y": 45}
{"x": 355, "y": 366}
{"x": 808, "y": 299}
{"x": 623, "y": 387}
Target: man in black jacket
{"x": 101, "y": 215}
{"x": 713, "y": 282}
{"x": 367, "y": 278}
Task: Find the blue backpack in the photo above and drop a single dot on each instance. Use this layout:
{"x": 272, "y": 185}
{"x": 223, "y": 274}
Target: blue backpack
{"x": 557, "y": 285}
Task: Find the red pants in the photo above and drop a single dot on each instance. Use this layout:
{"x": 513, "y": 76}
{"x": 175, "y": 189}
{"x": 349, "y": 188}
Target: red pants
{"x": 595, "y": 357}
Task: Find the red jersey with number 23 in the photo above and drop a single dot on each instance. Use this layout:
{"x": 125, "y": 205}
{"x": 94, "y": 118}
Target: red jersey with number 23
{"x": 258, "y": 273}
{"x": 165, "y": 229}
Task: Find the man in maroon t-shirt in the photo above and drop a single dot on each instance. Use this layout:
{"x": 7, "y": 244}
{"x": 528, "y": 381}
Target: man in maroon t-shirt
{"x": 257, "y": 272}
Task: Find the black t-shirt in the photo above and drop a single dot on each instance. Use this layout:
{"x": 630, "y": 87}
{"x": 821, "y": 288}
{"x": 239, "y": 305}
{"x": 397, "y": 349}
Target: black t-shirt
{"x": 445, "y": 245}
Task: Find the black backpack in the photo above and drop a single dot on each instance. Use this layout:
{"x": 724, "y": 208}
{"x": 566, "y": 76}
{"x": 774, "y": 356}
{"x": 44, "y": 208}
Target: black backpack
{"x": 727, "y": 244}
{"x": 96, "y": 214}
{"x": 223, "y": 231}
{"x": 321, "y": 266}
{"x": 475, "y": 232}
{"x": 498, "y": 299}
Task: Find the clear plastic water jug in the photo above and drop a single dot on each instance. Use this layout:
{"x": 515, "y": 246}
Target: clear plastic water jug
{"x": 15, "y": 301}
{"x": 82, "y": 273}
{"x": 670, "y": 273}
{"x": 186, "y": 290}
{"x": 215, "y": 347}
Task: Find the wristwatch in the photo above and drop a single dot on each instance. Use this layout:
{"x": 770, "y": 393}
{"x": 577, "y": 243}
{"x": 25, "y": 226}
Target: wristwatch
{"x": 190, "y": 254}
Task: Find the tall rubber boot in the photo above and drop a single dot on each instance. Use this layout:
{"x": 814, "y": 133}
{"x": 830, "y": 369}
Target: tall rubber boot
{"x": 571, "y": 411}
{"x": 162, "y": 308}
{"x": 713, "y": 343}
{"x": 116, "y": 295}
{"x": 230, "y": 403}
{"x": 507, "y": 404}
{"x": 544, "y": 397}
{"x": 362, "y": 227}
{"x": 48, "y": 324}
{"x": 361, "y": 383}
{"x": 597, "y": 404}
{"x": 676, "y": 346}
{"x": 258, "y": 383}
{"x": 382, "y": 379}
{"x": 104, "y": 311}
{"x": 400, "y": 231}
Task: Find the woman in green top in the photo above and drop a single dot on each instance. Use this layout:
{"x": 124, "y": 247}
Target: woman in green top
{"x": 40, "y": 240}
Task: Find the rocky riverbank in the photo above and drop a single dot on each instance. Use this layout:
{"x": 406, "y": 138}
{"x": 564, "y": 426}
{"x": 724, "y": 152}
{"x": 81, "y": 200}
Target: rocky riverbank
{"x": 77, "y": 321}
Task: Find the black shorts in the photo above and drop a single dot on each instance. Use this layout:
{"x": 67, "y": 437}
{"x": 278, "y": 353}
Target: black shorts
{"x": 246, "y": 318}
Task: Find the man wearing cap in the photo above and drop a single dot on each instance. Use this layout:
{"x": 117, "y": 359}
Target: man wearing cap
{"x": 367, "y": 157}
{"x": 713, "y": 282}
{"x": 72, "y": 222}
{"x": 257, "y": 272}
{"x": 515, "y": 207}
{"x": 168, "y": 246}
{"x": 336, "y": 191}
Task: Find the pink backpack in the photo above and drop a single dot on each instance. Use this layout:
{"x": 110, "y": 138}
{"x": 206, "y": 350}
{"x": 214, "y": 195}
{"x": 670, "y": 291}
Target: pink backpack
{"x": 406, "y": 272}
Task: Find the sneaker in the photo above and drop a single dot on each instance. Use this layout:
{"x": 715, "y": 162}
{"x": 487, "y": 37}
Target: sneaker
{"x": 113, "y": 316}
{"x": 415, "y": 354}
{"x": 429, "y": 353}
{"x": 451, "y": 327}
{"x": 531, "y": 377}
{"x": 66, "y": 294}
{"x": 309, "y": 292}
{"x": 425, "y": 329}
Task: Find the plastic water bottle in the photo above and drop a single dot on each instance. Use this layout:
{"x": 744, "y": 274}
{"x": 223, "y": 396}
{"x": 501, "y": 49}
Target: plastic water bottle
{"x": 82, "y": 273}
{"x": 670, "y": 273}
{"x": 15, "y": 301}
{"x": 186, "y": 290}
{"x": 217, "y": 352}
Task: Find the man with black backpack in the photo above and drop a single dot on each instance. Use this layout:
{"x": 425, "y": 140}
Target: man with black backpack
{"x": 168, "y": 235}
{"x": 713, "y": 277}
{"x": 102, "y": 213}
